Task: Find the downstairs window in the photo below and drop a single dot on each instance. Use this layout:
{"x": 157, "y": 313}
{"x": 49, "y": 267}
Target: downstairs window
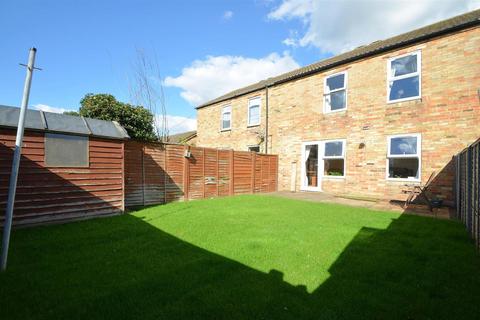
{"x": 334, "y": 158}
{"x": 403, "y": 157}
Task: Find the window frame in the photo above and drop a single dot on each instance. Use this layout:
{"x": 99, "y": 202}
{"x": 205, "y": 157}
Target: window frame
{"x": 259, "y": 111}
{"x": 221, "y": 117}
{"x": 408, "y": 156}
{"x": 418, "y": 73}
{"x": 327, "y": 109}
{"x": 343, "y": 156}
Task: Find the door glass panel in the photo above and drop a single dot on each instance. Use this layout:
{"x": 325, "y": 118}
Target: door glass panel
{"x": 311, "y": 165}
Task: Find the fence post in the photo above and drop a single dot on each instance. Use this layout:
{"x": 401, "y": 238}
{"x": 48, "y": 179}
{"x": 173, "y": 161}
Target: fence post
{"x": 186, "y": 174}
{"x": 269, "y": 188}
{"x": 143, "y": 173}
{"x": 469, "y": 190}
{"x": 203, "y": 172}
{"x": 165, "y": 159}
{"x": 457, "y": 184}
{"x": 218, "y": 174}
{"x": 231, "y": 189}
{"x": 253, "y": 172}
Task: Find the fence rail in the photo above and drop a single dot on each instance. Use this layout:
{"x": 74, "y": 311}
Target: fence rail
{"x": 467, "y": 189}
{"x": 159, "y": 173}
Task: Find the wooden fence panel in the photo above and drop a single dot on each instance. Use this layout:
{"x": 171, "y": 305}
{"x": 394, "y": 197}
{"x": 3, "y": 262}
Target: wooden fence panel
{"x": 134, "y": 174}
{"x": 154, "y": 181}
{"x": 174, "y": 171}
{"x": 211, "y": 179}
{"x": 196, "y": 179}
{"x": 224, "y": 172}
{"x": 158, "y": 173}
{"x": 467, "y": 189}
{"x": 242, "y": 174}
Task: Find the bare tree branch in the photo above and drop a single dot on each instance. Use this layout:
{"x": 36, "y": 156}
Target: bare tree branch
{"x": 146, "y": 89}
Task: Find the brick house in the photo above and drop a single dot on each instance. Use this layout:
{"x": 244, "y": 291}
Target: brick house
{"x": 367, "y": 121}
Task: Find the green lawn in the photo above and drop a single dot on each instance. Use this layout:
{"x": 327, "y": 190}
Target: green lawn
{"x": 246, "y": 257}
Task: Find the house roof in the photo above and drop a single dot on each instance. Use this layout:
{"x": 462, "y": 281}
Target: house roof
{"x": 62, "y": 123}
{"x": 443, "y": 27}
{"x": 182, "y": 137}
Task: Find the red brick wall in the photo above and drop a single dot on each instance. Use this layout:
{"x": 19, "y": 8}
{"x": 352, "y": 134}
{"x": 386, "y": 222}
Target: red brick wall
{"x": 447, "y": 116}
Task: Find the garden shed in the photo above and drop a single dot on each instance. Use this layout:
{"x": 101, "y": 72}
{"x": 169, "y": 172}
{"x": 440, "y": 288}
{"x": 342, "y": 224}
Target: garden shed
{"x": 71, "y": 167}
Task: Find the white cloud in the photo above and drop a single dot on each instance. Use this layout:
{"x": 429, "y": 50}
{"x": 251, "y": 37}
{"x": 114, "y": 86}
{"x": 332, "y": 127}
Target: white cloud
{"x": 337, "y": 26}
{"x": 207, "y": 79}
{"x": 46, "y": 108}
{"x": 178, "y": 124}
{"x": 227, "y": 15}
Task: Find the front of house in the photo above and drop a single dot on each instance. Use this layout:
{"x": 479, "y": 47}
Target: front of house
{"x": 365, "y": 122}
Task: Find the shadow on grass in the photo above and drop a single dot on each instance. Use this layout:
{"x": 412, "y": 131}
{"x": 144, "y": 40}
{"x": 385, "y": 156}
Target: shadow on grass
{"x": 124, "y": 268}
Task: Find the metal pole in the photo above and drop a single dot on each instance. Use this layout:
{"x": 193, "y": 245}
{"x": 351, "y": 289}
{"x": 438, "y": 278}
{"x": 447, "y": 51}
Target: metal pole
{"x": 16, "y": 160}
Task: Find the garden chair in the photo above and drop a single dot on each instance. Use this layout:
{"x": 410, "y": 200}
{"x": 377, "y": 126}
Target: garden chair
{"x": 418, "y": 191}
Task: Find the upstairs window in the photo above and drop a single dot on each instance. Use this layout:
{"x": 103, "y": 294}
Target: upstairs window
{"x": 254, "y": 112}
{"x": 335, "y": 93}
{"x": 403, "y": 157}
{"x": 226, "y": 121}
{"x": 334, "y": 158}
{"x": 404, "y": 77}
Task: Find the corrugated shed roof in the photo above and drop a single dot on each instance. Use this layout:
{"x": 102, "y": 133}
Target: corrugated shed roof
{"x": 62, "y": 123}
{"x": 443, "y": 27}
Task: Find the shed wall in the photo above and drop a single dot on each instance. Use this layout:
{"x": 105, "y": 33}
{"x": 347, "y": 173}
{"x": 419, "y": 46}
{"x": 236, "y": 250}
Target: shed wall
{"x": 50, "y": 194}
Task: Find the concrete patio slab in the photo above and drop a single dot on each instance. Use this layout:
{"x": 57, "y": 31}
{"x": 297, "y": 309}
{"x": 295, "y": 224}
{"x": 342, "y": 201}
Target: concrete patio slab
{"x": 381, "y": 205}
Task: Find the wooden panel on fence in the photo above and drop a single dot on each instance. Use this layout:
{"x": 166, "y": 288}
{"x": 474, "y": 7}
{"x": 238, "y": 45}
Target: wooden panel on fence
{"x": 467, "y": 196}
{"x": 196, "y": 178}
{"x": 224, "y": 172}
{"x": 158, "y": 173}
{"x": 174, "y": 172}
{"x": 242, "y": 173}
{"x": 134, "y": 174}
{"x": 154, "y": 177}
{"x": 211, "y": 179}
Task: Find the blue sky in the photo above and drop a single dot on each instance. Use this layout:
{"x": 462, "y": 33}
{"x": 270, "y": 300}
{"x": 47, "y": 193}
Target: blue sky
{"x": 203, "y": 48}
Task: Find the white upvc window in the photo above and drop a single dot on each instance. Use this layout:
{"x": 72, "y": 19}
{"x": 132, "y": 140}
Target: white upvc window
{"x": 404, "y": 159}
{"x": 335, "y": 92}
{"x": 226, "y": 120}
{"x": 334, "y": 159}
{"x": 253, "y": 116}
{"x": 404, "y": 77}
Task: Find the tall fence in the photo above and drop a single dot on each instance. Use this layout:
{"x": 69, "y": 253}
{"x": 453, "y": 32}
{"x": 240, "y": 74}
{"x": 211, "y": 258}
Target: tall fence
{"x": 467, "y": 191}
{"x": 159, "y": 173}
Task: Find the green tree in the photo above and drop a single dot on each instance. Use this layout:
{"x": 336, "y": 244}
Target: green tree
{"x": 138, "y": 121}
{"x": 72, "y": 113}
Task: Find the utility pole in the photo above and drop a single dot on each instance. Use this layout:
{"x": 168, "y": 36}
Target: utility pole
{"x": 16, "y": 159}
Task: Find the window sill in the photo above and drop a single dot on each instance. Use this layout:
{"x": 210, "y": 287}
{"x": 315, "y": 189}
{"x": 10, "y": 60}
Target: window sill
{"x": 337, "y": 178}
{"x": 225, "y": 130}
{"x": 403, "y": 180}
{"x": 335, "y": 111}
{"x": 253, "y": 125}
{"x": 404, "y": 100}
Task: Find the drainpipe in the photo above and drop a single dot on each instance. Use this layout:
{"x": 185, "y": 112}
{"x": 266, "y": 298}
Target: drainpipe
{"x": 266, "y": 119}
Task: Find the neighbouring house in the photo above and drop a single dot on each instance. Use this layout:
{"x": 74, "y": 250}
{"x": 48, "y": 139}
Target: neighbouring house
{"x": 71, "y": 167}
{"x": 365, "y": 122}
{"x": 187, "y": 138}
